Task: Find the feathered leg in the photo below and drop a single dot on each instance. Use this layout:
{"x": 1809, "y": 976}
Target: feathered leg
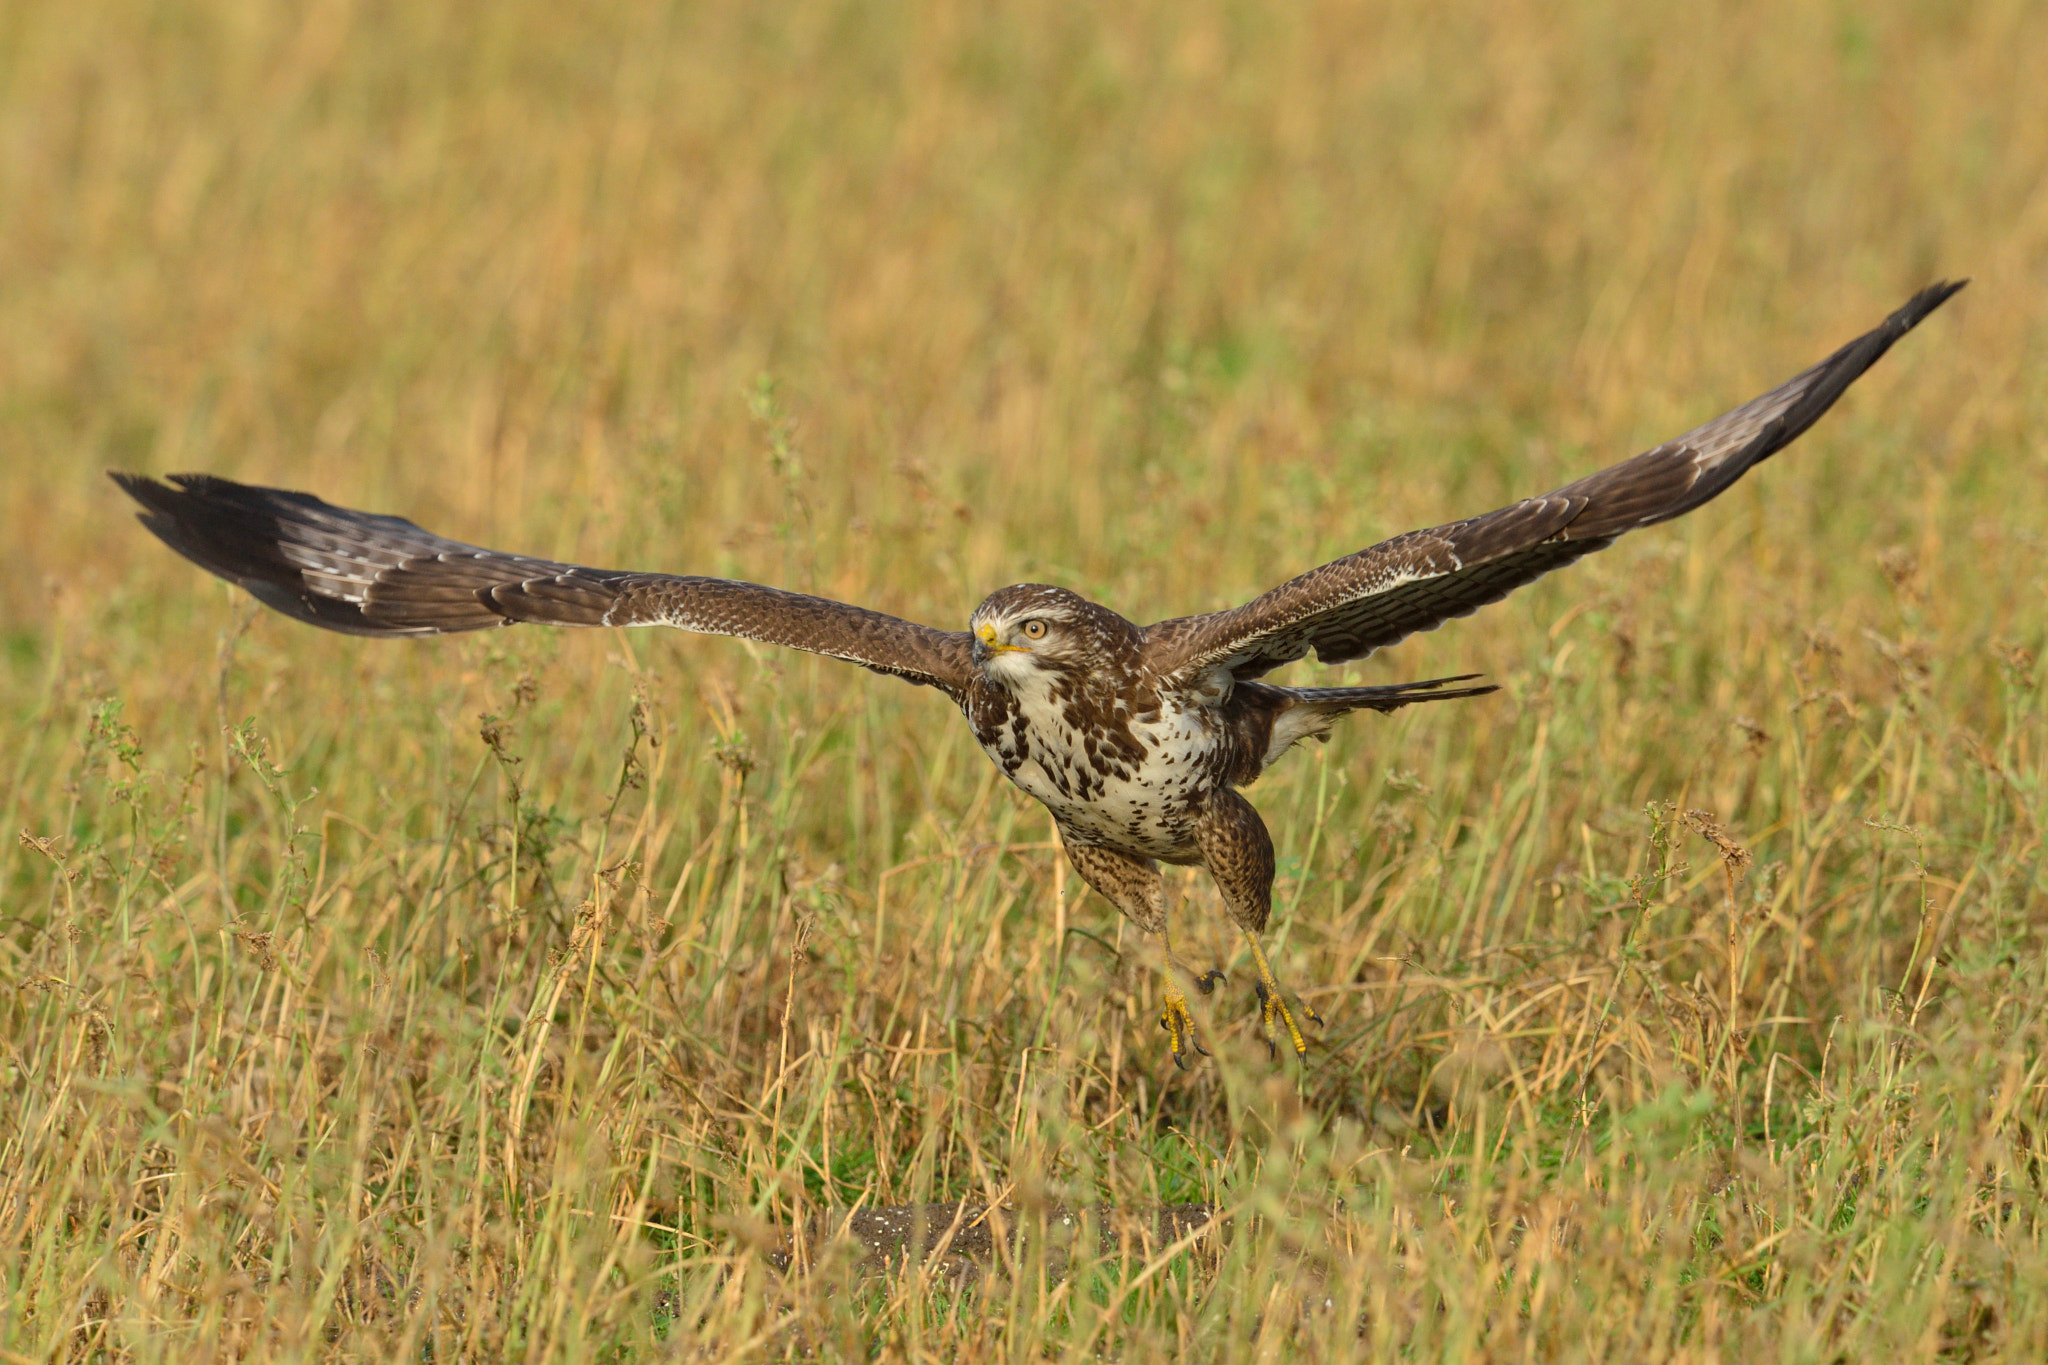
{"x": 1133, "y": 885}
{"x": 1239, "y": 855}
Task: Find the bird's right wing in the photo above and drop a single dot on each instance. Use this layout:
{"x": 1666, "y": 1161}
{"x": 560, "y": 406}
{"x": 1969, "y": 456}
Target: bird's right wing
{"x": 363, "y": 574}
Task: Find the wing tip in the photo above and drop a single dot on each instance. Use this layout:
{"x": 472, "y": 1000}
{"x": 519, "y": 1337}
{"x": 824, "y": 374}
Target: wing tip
{"x": 1915, "y": 310}
{"x": 141, "y": 487}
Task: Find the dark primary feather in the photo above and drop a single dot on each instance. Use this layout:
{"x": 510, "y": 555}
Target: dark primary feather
{"x": 373, "y": 575}
{"x": 1366, "y": 601}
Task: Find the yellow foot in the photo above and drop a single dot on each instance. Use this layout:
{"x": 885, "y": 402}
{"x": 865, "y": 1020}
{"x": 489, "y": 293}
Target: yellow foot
{"x": 1273, "y": 1005}
{"x": 1179, "y": 1022}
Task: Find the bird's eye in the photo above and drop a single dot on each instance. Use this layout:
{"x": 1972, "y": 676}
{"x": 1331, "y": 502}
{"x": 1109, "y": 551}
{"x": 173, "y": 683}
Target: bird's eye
{"x": 1033, "y": 630}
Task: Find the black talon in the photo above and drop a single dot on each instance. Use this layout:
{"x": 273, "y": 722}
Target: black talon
{"x": 1186, "y": 1041}
{"x": 1208, "y": 981}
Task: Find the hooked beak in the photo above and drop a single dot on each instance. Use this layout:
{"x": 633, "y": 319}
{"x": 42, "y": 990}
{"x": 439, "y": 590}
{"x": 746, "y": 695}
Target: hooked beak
{"x": 985, "y": 643}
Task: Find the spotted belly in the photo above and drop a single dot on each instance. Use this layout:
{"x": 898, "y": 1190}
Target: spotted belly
{"x": 1148, "y": 808}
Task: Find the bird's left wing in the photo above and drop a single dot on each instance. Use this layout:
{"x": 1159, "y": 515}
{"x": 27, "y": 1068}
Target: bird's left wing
{"x": 363, "y": 574}
{"x": 1365, "y": 601}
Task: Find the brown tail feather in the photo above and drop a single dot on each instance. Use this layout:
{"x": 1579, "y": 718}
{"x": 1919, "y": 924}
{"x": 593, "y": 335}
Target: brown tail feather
{"x": 1387, "y": 697}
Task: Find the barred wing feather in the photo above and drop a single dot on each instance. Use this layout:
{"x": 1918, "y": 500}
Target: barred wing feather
{"x": 364, "y": 574}
{"x": 1366, "y": 601}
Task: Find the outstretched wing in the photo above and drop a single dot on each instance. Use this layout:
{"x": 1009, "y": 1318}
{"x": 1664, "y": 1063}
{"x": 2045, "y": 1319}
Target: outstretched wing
{"x": 370, "y": 575}
{"x": 1365, "y": 601}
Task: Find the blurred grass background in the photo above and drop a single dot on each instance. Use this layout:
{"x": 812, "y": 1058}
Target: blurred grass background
{"x": 331, "y": 1032}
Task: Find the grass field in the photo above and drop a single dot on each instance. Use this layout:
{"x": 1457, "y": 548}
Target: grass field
{"x": 1685, "y": 998}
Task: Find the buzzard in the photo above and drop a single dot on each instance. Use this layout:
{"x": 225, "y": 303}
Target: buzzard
{"x": 1136, "y": 738}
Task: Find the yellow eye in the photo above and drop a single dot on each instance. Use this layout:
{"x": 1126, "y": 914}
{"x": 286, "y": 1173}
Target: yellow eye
{"x": 1033, "y": 630}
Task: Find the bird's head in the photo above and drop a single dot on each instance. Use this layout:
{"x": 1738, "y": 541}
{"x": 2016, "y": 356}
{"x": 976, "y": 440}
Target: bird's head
{"x": 1033, "y": 628}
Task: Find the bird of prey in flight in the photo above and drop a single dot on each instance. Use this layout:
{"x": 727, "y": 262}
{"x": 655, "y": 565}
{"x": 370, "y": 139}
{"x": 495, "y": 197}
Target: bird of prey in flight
{"x": 1136, "y": 738}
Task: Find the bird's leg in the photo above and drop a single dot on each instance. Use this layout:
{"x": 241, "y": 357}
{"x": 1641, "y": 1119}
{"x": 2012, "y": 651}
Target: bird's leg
{"x": 1273, "y": 1003}
{"x": 1134, "y": 886}
{"x": 1176, "y": 1018}
{"x": 1239, "y": 855}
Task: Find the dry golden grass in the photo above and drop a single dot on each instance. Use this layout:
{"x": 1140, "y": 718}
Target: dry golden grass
{"x": 1685, "y": 998}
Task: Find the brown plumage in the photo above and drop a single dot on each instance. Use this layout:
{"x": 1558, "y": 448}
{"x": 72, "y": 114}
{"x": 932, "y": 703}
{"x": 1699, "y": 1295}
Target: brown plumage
{"x": 1135, "y": 737}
